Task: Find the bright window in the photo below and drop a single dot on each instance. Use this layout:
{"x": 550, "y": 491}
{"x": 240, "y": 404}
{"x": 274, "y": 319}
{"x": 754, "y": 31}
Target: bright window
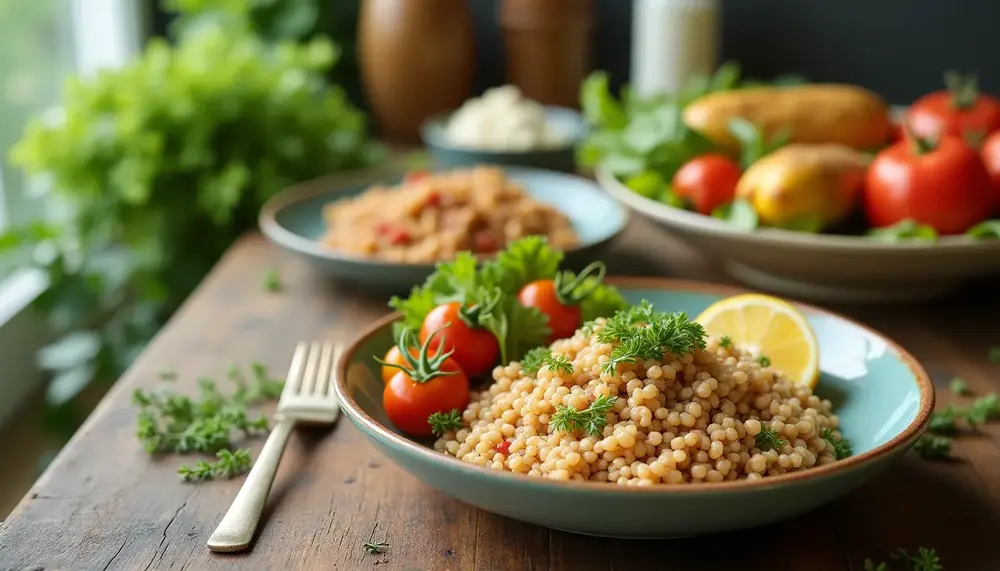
{"x": 41, "y": 43}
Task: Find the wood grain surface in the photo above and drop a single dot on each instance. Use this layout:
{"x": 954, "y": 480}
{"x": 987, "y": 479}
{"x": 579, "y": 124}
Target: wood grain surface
{"x": 105, "y": 504}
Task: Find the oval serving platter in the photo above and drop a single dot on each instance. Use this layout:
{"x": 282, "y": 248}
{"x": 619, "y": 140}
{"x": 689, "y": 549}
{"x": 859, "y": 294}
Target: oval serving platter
{"x": 293, "y": 220}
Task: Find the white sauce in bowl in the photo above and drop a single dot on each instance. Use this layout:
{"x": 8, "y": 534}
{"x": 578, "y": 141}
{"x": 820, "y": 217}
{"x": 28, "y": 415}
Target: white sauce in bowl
{"x": 503, "y": 120}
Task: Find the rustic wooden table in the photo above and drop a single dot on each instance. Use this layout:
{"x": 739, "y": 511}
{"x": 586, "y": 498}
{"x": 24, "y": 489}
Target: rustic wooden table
{"x": 104, "y": 504}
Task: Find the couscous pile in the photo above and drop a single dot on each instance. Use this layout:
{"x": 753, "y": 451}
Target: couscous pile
{"x": 601, "y": 406}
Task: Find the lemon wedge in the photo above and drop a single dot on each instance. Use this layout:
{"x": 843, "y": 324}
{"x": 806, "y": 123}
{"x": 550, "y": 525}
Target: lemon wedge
{"x": 769, "y": 327}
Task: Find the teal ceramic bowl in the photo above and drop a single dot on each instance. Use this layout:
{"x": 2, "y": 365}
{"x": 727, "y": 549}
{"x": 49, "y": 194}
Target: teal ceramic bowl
{"x": 294, "y": 221}
{"x": 881, "y": 394}
{"x": 566, "y": 121}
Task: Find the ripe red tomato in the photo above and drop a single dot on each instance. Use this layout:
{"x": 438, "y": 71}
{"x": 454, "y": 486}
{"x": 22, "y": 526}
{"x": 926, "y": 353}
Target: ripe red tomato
{"x": 990, "y": 153}
{"x": 707, "y": 182}
{"x": 425, "y": 385}
{"x": 944, "y": 185}
{"x": 559, "y": 299}
{"x": 960, "y": 110}
{"x": 475, "y": 349}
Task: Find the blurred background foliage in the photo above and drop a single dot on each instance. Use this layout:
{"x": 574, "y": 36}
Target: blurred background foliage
{"x": 149, "y": 172}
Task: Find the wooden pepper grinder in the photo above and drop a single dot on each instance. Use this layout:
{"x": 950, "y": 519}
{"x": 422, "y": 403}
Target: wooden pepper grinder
{"x": 548, "y": 47}
{"x": 417, "y": 58}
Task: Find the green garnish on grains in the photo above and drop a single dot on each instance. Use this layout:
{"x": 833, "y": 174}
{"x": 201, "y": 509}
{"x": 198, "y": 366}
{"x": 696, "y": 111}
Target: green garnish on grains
{"x": 764, "y": 361}
{"x": 542, "y": 357}
{"x": 495, "y": 285}
{"x": 272, "y": 281}
{"x": 841, "y": 446}
{"x": 442, "y": 422}
{"x": 767, "y": 438}
{"x": 229, "y": 465}
{"x": 591, "y": 420}
{"x": 726, "y": 342}
{"x": 641, "y": 332}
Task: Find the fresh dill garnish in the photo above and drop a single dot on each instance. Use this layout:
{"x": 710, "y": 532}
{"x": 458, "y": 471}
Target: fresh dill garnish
{"x": 726, "y": 342}
{"x": 764, "y": 361}
{"x": 983, "y": 409}
{"x": 542, "y": 357}
{"x": 933, "y": 446}
{"x": 958, "y": 386}
{"x": 841, "y": 447}
{"x": 442, "y": 422}
{"x": 375, "y": 547}
{"x": 925, "y": 559}
{"x": 767, "y": 438}
{"x": 590, "y": 420}
{"x": 229, "y": 465}
{"x": 272, "y": 281}
{"x": 641, "y": 332}
{"x": 172, "y": 422}
{"x": 943, "y": 421}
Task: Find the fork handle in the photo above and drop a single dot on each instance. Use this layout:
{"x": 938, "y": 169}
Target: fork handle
{"x": 237, "y": 528}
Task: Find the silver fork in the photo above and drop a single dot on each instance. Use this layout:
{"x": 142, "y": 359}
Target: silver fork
{"x": 308, "y": 396}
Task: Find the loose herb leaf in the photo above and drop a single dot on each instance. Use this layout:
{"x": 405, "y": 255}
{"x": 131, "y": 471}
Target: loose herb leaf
{"x": 375, "y": 547}
{"x": 943, "y": 421}
{"x": 983, "y": 409}
{"x": 641, "y": 332}
{"x": 841, "y": 446}
{"x": 272, "y": 281}
{"x": 740, "y": 213}
{"x": 726, "y": 342}
{"x": 958, "y": 386}
{"x": 442, "y": 422}
{"x": 933, "y": 446}
{"x": 925, "y": 559}
{"x": 764, "y": 361}
{"x": 229, "y": 465}
{"x": 906, "y": 230}
{"x": 767, "y": 438}
{"x": 987, "y": 230}
{"x": 590, "y": 420}
{"x": 994, "y": 355}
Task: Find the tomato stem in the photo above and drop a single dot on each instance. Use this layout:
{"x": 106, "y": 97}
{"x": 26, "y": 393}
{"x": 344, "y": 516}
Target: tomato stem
{"x": 423, "y": 367}
{"x": 919, "y": 145}
{"x": 964, "y": 89}
{"x": 572, "y": 290}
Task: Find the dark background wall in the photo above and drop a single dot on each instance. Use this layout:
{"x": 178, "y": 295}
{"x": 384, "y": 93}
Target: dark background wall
{"x": 899, "y": 48}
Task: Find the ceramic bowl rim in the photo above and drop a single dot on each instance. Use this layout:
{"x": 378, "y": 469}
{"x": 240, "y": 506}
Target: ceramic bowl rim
{"x": 441, "y": 119}
{"x": 269, "y": 226}
{"x": 777, "y": 237}
{"x": 910, "y": 432}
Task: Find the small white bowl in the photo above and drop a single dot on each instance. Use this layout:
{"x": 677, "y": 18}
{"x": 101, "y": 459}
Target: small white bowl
{"x": 823, "y": 267}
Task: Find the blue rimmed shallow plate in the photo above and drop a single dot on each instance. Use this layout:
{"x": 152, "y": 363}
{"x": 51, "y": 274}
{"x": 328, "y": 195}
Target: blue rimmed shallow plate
{"x": 294, "y": 220}
{"x": 881, "y": 394}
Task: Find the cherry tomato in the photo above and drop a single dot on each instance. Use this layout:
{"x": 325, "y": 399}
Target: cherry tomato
{"x": 425, "y": 385}
{"x": 394, "y": 357}
{"x": 559, "y": 299}
{"x": 415, "y": 176}
{"x": 475, "y": 349}
{"x": 944, "y": 186}
{"x": 707, "y": 182}
{"x": 990, "y": 153}
{"x": 960, "y": 110}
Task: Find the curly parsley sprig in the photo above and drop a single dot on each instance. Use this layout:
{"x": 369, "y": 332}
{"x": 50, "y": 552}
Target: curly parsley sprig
{"x": 442, "y": 422}
{"x": 540, "y": 357}
{"x": 591, "y": 420}
{"x": 641, "y": 332}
